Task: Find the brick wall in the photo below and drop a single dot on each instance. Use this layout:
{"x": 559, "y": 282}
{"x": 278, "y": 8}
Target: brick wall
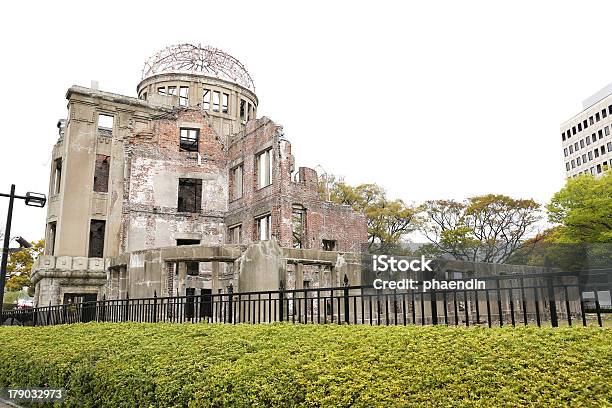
{"x": 324, "y": 220}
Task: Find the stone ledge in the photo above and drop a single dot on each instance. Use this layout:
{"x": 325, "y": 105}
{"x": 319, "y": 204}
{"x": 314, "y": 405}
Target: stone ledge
{"x": 39, "y": 274}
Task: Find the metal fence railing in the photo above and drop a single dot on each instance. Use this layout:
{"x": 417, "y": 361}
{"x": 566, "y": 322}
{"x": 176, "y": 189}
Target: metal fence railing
{"x": 554, "y": 298}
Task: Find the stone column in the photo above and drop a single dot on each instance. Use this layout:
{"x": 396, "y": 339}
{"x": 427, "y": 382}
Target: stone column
{"x": 299, "y": 276}
{"x": 215, "y": 277}
{"x": 182, "y": 274}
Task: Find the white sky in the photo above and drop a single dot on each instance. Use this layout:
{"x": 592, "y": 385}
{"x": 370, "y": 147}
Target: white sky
{"x": 429, "y": 99}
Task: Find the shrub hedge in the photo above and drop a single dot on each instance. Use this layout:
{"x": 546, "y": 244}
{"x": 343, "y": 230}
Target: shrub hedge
{"x": 202, "y": 365}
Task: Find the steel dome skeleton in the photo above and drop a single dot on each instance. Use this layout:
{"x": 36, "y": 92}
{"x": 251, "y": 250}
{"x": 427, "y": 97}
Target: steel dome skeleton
{"x": 192, "y": 59}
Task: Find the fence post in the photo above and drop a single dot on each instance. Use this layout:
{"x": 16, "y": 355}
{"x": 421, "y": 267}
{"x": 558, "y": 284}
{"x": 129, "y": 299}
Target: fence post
{"x": 125, "y": 311}
{"x": 230, "y": 292}
{"x": 281, "y": 301}
{"x": 553, "y": 305}
{"x": 346, "y": 299}
{"x": 154, "y": 306}
{"x": 49, "y": 314}
{"x": 551, "y": 294}
{"x": 433, "y": 298}
{"x": 103, "y": 310}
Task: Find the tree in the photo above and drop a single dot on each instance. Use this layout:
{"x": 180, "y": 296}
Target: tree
{"x": 488, "y": 228}
{"x": 583, "y": 209}
{"x": 19, "y": 268}
{"x": 388, "y": 220}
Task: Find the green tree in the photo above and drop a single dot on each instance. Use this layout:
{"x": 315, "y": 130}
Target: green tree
{"x": 388, "y": 220}
{"x": 583, "y": 210}
{"x": 488, "y": 228}
{"x": 19, "y": 268}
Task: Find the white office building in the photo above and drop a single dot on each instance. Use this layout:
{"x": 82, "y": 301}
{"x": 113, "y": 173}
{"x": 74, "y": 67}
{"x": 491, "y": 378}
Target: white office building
{"x": 586, "y": 139}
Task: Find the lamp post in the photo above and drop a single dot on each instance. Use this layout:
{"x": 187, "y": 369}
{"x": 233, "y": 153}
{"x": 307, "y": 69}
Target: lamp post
{"x": 32, "y": 200}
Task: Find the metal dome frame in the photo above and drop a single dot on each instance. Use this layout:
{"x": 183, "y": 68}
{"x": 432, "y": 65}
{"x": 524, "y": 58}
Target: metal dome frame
{"x": 195, "y": 59}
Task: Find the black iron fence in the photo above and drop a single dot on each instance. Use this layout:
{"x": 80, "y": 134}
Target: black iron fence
{"x": 553, "y": 298}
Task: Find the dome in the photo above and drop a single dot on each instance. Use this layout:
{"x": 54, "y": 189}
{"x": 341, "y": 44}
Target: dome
{"x": 195, "y": 59}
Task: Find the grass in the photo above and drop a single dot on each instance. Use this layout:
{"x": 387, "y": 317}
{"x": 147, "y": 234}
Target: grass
{"x": 200, "y": 365}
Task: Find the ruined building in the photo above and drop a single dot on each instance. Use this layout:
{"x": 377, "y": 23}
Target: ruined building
{"x": 183, "y": 188}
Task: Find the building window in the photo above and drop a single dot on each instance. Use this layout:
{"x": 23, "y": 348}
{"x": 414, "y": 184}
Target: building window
{"x": 144, "y": 96}
{"x": 593, "y": 137}
{"x": 264, "y": 168}
{"x": 193, "y": 268}
{"x": 96, "y": 238}
{"x": 573, "y": 130}
{"x": 565, "y": 152}
{"x": 604, "y": 114}
{"x": 598, "y": 168}
{"x": 162, "y": 90}
{"x": 101, "y": 173}
{"x": 329, "y": 245}
{"x": 590, "y": 156}
{"x": 263, "y": 227}
{"x": 567, "y": 166}
{"x": 298, "y": 225}
{"x": 580, "y": 127}
{"x": 607, "y": 131}
{"x": 242, "y": 109}
{"x": 172, "y": 90}
{"x": 578, "y": 161}
{"x": 576, "y": 146}
{"x": 584, "y": 124}
{"x": 189, "y": 140}
{"x": 224, "y": 103}
{"x": 573, "y": 164}
{"x": 57, "y": 176}
{"x": 581, "y": 144}
{"x": 596, "y": 151}
{"x": 563, "y": 136}
{"x": 206, "y": 99}
{"x": 609, "y": 146}
{"x": 183, "y": 95}
{"x": 587, "y": 140}
{"x": 234, "y": 234}
{"x": 597, "y": 117}
{"x": 591, "y": 120}
{"x": 237, "y": 173}
{"x": 571, "y": 149}
{"x": 105, "y": 122}
{"x": 190, "y": 195}
{"x": 600, "y": 134}
{"x": 584, "y": 158}
{"x": 216, "y": 96}
{"x": 603, "y": 150}
{"x": 51, "y": 233}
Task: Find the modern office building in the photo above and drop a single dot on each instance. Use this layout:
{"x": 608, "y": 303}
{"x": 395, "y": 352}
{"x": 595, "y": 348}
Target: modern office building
{"x": 586, "y": 139}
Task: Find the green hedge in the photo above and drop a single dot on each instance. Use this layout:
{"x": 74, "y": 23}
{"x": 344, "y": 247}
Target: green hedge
{"x": 201, "y": 365}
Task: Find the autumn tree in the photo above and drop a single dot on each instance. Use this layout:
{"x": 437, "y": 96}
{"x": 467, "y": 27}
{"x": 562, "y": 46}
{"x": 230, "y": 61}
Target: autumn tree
{"x": 20, "y": 264}
{"x": 488, "y": 228}
{"x": 388, "y": 220}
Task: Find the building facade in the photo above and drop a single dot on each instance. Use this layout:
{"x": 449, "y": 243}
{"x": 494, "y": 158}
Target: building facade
{"x": 586, "y": 139}
{"x": 185, "y": 163}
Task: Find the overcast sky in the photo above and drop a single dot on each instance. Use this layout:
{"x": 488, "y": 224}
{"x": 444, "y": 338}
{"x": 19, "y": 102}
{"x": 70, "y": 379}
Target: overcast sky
{"x": 429, "y": 99}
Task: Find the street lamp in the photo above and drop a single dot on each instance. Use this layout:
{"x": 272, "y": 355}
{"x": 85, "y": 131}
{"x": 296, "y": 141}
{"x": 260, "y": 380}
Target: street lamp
{"x": 32, "y": 200}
